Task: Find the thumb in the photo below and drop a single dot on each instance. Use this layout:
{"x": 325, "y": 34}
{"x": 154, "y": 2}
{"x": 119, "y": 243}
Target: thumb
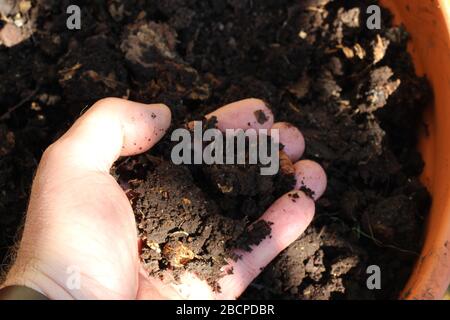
{"x": 76, "y": 207}
{"x": 111, "y": 128}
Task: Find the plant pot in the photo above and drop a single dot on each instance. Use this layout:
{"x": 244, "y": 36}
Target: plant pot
{"x": 428, "y": 22}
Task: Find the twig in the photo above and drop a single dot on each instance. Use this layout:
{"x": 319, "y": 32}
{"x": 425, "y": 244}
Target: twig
{"x": 8, "y": 113}
{"x": 381, "y": 244}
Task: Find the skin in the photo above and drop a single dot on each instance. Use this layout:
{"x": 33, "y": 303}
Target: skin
{"x": 311, "y": 175}
{"x": 292, "y": 140}
{"x": 79, "y": 218}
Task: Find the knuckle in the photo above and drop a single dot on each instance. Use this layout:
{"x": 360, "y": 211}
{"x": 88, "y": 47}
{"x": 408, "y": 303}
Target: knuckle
{"x": 51, "y": 151}
{"x": 106, "y": 103}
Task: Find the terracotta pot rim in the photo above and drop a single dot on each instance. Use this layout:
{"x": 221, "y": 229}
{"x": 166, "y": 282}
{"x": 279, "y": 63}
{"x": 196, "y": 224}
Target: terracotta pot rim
{"x": 428, "y": 22}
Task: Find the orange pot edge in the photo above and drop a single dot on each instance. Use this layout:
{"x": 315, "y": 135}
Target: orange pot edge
{"x": 428, "y": 22}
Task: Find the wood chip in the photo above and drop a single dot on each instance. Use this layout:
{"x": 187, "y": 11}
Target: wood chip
{"x": 380, "y": 46}
{"x": 11, "y": 35}
{"x": 302, "y": 34}
{"x": 225, "y": 189}
{"x": 348, "y": 52}
{"x": 186, "y": 201}
{"x": 35, "y": 106}
{"x": 24, "y": 6}
{"x": 70, "y": 72}
{"x": 359, "y": 51}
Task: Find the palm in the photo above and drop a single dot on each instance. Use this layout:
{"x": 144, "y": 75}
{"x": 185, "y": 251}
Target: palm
{"x": 95, "y": 238}
{"x": 80, "y": 238}
{"x": 109, "y": 250}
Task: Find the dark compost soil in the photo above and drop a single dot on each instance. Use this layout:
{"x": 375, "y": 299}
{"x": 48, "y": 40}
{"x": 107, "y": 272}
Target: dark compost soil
{"x": 352, "y": 91}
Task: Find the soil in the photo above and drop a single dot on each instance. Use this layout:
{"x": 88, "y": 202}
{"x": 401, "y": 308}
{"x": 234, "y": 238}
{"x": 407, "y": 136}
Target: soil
{"x": 352, "y": 91}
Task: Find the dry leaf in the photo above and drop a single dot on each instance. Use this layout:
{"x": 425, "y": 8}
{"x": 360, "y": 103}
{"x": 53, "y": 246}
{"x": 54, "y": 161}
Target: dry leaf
{"x": 177, "y": 254}
{"x": 109, "y": 81}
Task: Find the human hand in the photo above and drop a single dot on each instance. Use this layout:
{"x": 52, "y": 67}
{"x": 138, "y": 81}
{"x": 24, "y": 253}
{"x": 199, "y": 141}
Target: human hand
{"x": 80, "y": 220}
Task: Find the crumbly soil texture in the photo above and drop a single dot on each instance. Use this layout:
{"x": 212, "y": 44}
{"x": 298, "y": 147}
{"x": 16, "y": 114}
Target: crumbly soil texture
{"x": 352, "y": 91}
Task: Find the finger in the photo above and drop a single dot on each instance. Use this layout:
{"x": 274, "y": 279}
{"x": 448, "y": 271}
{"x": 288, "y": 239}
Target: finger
{"x": 244, "y": 114}
{"x": 290, "y": 215}
{"x": 310, "y": 175}
{"x": 111, "y": 128}
{"x": 292, "y": 140}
